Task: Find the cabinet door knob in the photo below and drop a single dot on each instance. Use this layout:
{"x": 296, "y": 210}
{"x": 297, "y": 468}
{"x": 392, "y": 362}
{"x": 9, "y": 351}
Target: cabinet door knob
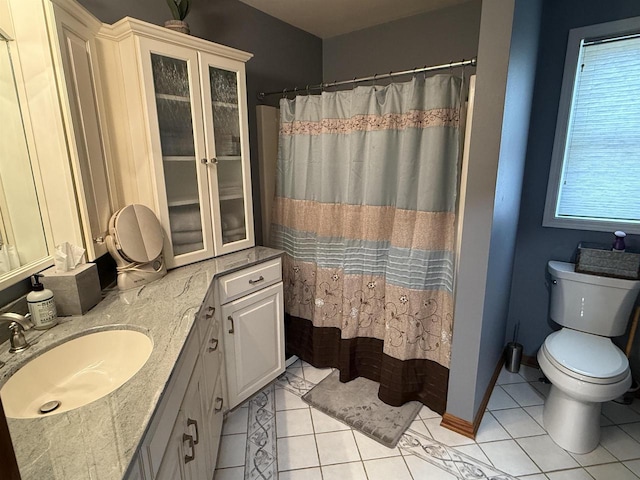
{"x": 191, "y": 421}
{"x": 219, "y": 400}
{"x": 210, "y": 313}
{"x": 189, "y": 438}
{"x": 204, "y": 161}
{"x": 214, "y": 160}
{"x": 253, "y": 282}
{"x": 99, "y": 240}
{"x": 214, "y": 342}
{"x": 232, "y": 329}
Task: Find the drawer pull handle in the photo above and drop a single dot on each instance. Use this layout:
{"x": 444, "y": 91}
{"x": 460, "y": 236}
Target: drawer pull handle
{"x": 189, "y": 438}
{"x": 214, "y": 342}
{"x": 253, "y": 282}
{"x": 221, "y": 402}
{"x": 210, "y": 313}
{"x": 232, "y": 329}
{"x": 193, "y": 422}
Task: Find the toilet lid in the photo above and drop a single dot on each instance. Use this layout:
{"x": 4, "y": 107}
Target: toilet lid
{"x": 586, "y": 354}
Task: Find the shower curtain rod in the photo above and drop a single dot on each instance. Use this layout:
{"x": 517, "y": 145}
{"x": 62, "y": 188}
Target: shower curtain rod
{"x": 321, "y": 86}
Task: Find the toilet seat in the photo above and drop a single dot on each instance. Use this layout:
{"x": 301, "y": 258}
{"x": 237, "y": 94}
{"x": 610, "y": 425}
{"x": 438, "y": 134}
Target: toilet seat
{"x": 587, "y": 357}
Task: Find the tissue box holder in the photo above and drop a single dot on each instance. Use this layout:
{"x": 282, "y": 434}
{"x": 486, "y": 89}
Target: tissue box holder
{"x": 75, "y": 291}
{"x": 598, "y": 259}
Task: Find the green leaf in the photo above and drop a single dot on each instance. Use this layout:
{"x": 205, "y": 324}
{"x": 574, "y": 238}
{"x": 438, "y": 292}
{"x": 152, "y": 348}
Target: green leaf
{"x": 175, "y": 13}
{"x": 187, "y": 5}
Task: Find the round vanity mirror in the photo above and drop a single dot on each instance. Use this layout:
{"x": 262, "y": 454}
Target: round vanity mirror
{"x": 135, "y": 242}
{"x": 138, "y": 233}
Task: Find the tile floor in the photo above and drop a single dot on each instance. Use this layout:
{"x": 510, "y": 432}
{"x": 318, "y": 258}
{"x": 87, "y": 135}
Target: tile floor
{"x": 277, "y": 436}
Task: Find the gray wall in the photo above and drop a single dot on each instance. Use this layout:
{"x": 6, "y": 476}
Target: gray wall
{"x": 507, "y": 53}
{"x": 432, "y": 38}
{"x": 537, "y": 245}
{"x": 283, "y": 55}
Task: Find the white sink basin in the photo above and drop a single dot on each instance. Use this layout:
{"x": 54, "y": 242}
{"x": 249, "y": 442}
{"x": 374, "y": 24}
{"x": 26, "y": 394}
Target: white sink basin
{"x": 75, "y": 373}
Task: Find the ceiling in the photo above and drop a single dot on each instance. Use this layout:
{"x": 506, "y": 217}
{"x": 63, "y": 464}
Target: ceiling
{"x": 329, "y": 18}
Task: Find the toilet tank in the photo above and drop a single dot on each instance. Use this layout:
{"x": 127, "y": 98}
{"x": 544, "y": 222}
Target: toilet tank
{"x": 591, "y": 303}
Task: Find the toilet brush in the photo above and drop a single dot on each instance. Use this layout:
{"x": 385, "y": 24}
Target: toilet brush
{"x": 513, "y": 352}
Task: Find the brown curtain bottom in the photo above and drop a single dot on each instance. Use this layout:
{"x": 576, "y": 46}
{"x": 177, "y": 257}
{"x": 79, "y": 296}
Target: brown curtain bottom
{"x": 401, "y": 381}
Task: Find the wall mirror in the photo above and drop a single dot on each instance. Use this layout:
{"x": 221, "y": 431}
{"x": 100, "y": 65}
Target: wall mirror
{"x": 23, "y": 243}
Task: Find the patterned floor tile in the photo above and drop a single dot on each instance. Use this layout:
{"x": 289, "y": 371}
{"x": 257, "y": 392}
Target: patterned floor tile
{"x": 294, "y": 383}
{"x": 448, "y": 459}
{"x": 260, "y": 457}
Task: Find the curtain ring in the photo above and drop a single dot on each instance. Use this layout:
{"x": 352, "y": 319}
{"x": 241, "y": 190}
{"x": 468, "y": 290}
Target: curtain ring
{"x": 308, "y": 92}
{"x": 424, "y": 73}
{"x": 353, "y": 83}
{"x": 374, "y": 80}
{"x": 284, "y": 93}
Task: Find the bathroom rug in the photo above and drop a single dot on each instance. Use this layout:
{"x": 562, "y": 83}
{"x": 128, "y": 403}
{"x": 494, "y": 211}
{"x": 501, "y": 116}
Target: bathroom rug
{"x": 357, "y": 405}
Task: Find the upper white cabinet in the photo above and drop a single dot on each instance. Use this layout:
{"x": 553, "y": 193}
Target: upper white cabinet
{"x": 178, "y": 125}
{"x": 54, "y": 46}
{"x": 74, "y": 31}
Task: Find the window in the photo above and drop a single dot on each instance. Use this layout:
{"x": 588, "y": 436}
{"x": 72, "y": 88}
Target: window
{"x": 594, "y": 183}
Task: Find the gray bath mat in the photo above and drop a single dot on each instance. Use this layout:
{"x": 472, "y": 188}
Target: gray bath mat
{"x": 356, "y": 404}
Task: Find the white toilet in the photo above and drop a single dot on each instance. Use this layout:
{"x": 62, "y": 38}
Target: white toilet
{"x": 583, "y": 365}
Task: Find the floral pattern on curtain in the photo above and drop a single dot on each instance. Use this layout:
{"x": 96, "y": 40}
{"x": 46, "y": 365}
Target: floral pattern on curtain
{"x": 365, "y": 212}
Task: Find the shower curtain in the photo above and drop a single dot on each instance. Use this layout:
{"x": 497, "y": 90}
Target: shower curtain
{"x": 365, "y": 212}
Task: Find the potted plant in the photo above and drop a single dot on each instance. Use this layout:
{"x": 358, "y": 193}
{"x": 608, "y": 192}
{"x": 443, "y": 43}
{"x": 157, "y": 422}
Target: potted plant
{"x": 179, "y": 10}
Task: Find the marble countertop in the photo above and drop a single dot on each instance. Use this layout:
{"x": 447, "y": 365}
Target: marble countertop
{"x": 99, "y": 440}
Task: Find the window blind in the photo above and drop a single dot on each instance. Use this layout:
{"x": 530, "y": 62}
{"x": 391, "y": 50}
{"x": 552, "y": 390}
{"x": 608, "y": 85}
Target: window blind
{"x": 601, "y": 169}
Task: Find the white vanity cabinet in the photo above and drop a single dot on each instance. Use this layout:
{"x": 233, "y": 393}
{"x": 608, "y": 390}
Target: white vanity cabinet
{"x": 235, "y": 348}
{"x": 180, "y": 443}
{"x": 178, "y": 125}
{"x": 252, "y": 314}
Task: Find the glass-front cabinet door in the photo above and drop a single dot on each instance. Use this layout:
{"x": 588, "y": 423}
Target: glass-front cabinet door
{"x": 178, "y": 148}
{"x": 224, "y": 99}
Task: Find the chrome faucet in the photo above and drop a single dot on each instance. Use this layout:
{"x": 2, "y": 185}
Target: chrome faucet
{"x": 17, "y": 324}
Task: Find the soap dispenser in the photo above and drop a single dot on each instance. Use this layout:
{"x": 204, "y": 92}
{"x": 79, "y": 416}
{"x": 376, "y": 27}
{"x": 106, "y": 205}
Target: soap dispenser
{"x": 42, "y": 306}
{"x": 618, "y": 244}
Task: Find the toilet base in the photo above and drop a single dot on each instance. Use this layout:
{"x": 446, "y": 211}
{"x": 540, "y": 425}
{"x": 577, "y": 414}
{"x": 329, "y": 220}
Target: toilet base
{"x": 572, "y": 424}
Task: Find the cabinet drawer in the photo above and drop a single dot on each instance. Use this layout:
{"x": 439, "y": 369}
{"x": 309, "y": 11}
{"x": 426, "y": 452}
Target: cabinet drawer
{"x": 238, "y": 284}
